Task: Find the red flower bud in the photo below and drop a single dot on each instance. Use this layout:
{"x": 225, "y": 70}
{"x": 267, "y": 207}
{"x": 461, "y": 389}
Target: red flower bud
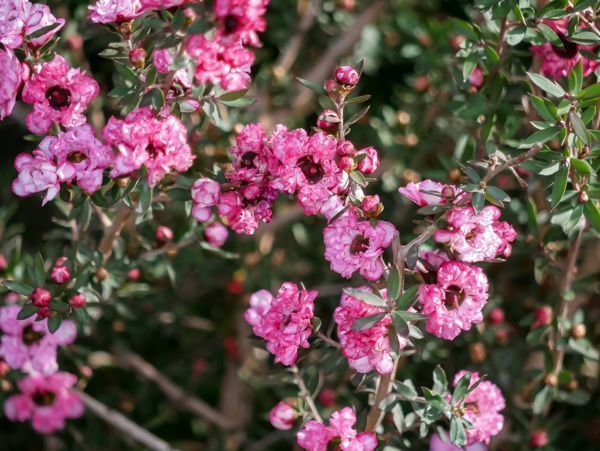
{"x": 543, "y": 316}
{"x": 347, "y": 76}
{"x": 137, "y": 57}
{"x": 539, "y": 438}
{"x": 77, "y": 301}
{"x": 163, "y": 234}
{"x": 328, "y": 120}
{"x": 496, "y": 316}
{"x": 41, "y": 297}
{"x": 371, "y": 206}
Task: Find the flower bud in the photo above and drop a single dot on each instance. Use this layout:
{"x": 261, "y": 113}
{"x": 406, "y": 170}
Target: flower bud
{"x": 4, "y": 368}
{"x": 347, "y": 76}
{"x": 448, "y": 193}
{"x": 60, "y": 273}
{"x": 370, "y": 163}
{"x": 371, "y": 206}
{"x": 345, "y": 148}
{"x": 539, "y": 438}
{"x": 216, "y": 234}
{"x": 502, "y": 335}
{"x": 331, "y": 86}
{"x": 477, "y": 352}
{"x": 543, "y": 316}
{"x": 122, "y": 182}
{"x": 206, "y": 192}
{"x": 77, "y": 301}
{"x": 346, "y": 164}
{"x": 283, "y": 416}
{"x": 74, "y": 41}
{"x": 101, "y": 274}
{"x": 578, "y": 331}
{"x": 328, "y": 120}
{"x": 41, "y": 297}
{"x": 3, "y": 263}
{"x": 137, "y": 57}
{"x": 585, "y": 151}
{"x": 326, "y": 397}
{"x": 551, "y": 380}
{"x": 44, "y": 312}
{"x": 496, "y": 316}
{"x": 163, "y": 234}
{"x": 133, "y": 274}
{"x": 583, "y": 197}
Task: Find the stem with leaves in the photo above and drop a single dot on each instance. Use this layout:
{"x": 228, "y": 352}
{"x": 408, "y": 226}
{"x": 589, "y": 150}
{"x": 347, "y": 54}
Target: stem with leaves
{"x": 306, "y": 394}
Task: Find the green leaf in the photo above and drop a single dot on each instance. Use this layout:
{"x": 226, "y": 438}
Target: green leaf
{"x": 461, "y": 389}
{"x": 592, "y": 214}
{"x": 410, "y": 316}
{"x": 54, "y": 323}
{"x": 357, "y": 100}
{"x": 540, "y": 137}
{"x": 27, "y": 311}
{"x": 145, "y": 198}
{"x": 547, "y": 85}
{"x": 405, "y": 390}
{"x": 579, "y": 127}
{"x": 393, "y": 284}
{"x": 367, "y": 322}
{"x": 559, "y": 186}
{"x": 542, "y": 109}
{"x": 583, "y": 347}
{"x": 582, "y": 166}
{"x": 358, "y": 178}
{"x": 154, "y": 98}
{"x": 59, "y": 306}
{"x": 458, "y": 435}
{"x": 312, "y": 86}
{"x": 541, "y": 400}
{"x": 357, "y": 117}
{"x": 234, "y": 95}
{"x": 440, "y": 381}
{"x": 42, "y": 31}
{"x": 516, "y": 35}
{"x": 550, "y": 35}
{"x": 408, "y": 298}
{"x": 366, "y": 297}
{"x": 497, "y": 194}
{"x": 39, "y": 271}
{"x": 18, "y": 287}
{"x": 478, "y": 201}
{"x": 590, "y": 92}
{"x": 402, "y": 327}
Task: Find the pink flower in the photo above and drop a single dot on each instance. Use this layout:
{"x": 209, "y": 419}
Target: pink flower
{"x": 11, "y": 74}
{"x": 109, "y": 11}
{"x": 162, "y": 59}
{"x": 543, "y": 316}
{"x": 332, "y": 207}
{"x": 28, "y": 345}
{"x": 78, "y": 152}
{"x": 429, "y": 192}
{"x": 476, "y": 78}
{"x": 223, "y": 63}
{"x": 283, "y": 321}
{"x": 243, "y": 207}
{"x": 45, "y": 400}
{"x": 40, "y": 297}
{"x": 158, "y": 144}
{"x": 283, "y": 416}
{"x": 455, "y": 302}
{"x": 252, "y": 159}
{"x": 370, "y": 162}
{"x": 365, "y": 349}
{"x": 477, "y": 236}
{"x": 39, "y": 16}
{"x": 308, "y": 167}
{"x": 353, "y": 245}
{"x": 346, "y": 75}
{"x": 206, "y": 192}
{"x": 241, "y": 19}
{"x": 13, "y": 16}
{"x": 437, "y": 444}
{"x": 482, "y": 407}
{"x": 58, "y": 95}
{"x": 315, "y": 436}
{"x": 158, "y": 4}
{"x": 60, "y": 274}
{"x": 216, "y": 234}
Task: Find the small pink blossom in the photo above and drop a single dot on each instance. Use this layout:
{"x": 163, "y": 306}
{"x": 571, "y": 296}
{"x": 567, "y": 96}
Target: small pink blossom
{"x": 206, "y": 192}
{"x": 58, "y": 94}
{"x": 28, "y": 344}
{"x": 455, "y": 302}
{"x": 332, "y": 207}
{"x": 244, "y": 207}
{"x": 477, "y": 236}
{"x": 315, "y": 436}
{"x": 241, "y": 19}
{"x": 142, "y": 140}
{"x": 45, "y": 400}
{"x": 216, "y": 234}
{"x": 13, "y": 17}
{"x": 77, "y": 301}
{"x": 252, "y": 159}
{"x": 352, "y": 244}
{"x": 115, "y": 11}
{"x": 365, "y": 349}
{"x": 476, "y": 78}
{"x": 11, "y": 76}
{"x": 60, "y": 274}
{"x": 283, "y": 321}
{"x": 163, "y": 234}
{"x": 158, "y": 4}
{"x": 370, "y": 162}
{"x": 429, "y": 192}
{"x": 40, "y": 297}
{"x": 482, "y": 409}
{"x": 437, "y": 444}
{"x": 162, "y": 59}
{"x": 39, "y": 16}
{"x": 283, "y": 416}
{"x": 38, "y": 173}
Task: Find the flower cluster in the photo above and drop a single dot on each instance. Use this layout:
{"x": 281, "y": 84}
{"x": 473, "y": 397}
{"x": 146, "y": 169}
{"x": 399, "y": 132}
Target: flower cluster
{"x": 369, "y": 348}
{"x": 315, "y": 436}
{"x": 21, "y": 19}
{"x": 283, "y": 321}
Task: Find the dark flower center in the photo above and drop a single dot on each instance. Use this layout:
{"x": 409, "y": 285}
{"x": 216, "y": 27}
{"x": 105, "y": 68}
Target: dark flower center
{"x": 568, "y": 50}
{"x": 473, "y": 407}
{"x": 454, "y": 297}
{"x": 312, "y": 171}
{"x": 359, "y": 244}
{"x": 248, "y": 160}
{"x": 44, "y": 398}
{"x": 58, "y": 98}
{"x": 30, "y": 336}
{"x": 231, "y": 23}
{"x": 77, "y": 157}
{"x": 154, "y": 151}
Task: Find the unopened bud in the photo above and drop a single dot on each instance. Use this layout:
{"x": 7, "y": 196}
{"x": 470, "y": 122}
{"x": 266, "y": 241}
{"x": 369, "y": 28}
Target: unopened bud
{"x": 77, "y": 301}
{"x": 137, "y": 57}
{"x": 328, "y": 120}
{"x": 101, "y": 274}
{"x": 543, "y": 316}
{"x": 331, "y": 86}
{"x": 345, "y": 148}
{"x": 583, "y": 197}
{"x": 122, "y": 182}
{"x": 371, "y": 206}
{"x": 551, "y": 380}
{"x": 477, "y": 352}
{"x": 539, "y": 438}
{"x": 164, "y": 234}
{"x": 347, "y": 76}
{"x": 346, "y": 164}
{"x": 133, "y": 274}
{"x": 41, "y": 297}
{"x": 585, "y": 151}
{"x": 496, "y": 316}
{"x": 578, "y": 331}
{"x": 44, "y": 312}
{"x": 3, "y": 263}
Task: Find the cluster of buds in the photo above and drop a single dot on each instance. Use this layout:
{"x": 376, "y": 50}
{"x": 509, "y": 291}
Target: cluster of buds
{"x": 346, "y": 78}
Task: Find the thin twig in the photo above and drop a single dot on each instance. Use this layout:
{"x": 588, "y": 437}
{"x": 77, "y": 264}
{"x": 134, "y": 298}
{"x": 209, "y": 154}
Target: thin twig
{"x": 167, "y": 248}
{"x": 493, "y": 171}
{"x": 113, "y": 231}
{"x": 124, "y": 424}
{"x": 306, "y": 394}
{"x": 328, "y": 340}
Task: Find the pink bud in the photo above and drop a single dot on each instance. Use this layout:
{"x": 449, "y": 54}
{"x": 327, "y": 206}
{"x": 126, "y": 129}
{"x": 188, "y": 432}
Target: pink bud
{"x": 328, "y": 120}
{"x": 496, "y": 315}
{"x": 283, "y": 416}
{"x": 327, "y": 397}
{"x": 346, "y": 75}
{"x": 3, "y": 263}
{"x": 345, "y": 148}
{"x": 44, "y": 312}
{"x": 543, "y": 316}
{"x": 75, "y": 41}
{"x": 539, "y": 438}
{"x": 346, "y": 163}
{"x": 77, "y": 301}
{"x": 134, "y": 274}
{"x": 41, "y": 297}
{"x": 164, "y": 234}
{"x": 216, "y": 234}
{"x": 60, "y": 274}
{"x": 137, "y": 57}
{"x": 476, "y": 78}
{"x": 331, "y": 86}
{"x": 11, "y": 298}
{"x": 371, "y": 206}
{"x": 206, "y": 192}
{"x": 370, "y": 163}
{"x": 4, "y": 368}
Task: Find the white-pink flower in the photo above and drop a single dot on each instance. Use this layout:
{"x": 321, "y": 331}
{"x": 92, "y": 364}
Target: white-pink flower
{"x": 117, "y": 11}
{"x": 11, "y": 75}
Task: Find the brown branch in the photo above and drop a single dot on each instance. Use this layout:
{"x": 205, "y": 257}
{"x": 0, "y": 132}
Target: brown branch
{"x": 167, "y": 248}
{"x": 176, "y": 395}
{"x": 113, "y": 231}
{"x": 306, "y": 394}
{"x": 493, "y": 171}
{"x": 124, "y": 424}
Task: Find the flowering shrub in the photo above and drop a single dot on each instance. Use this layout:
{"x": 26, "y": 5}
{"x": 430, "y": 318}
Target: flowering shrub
{"x": 201, "y": 205}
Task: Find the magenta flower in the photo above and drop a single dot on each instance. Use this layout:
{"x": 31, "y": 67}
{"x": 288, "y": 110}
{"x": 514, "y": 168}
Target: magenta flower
{"x": 205, "y": 194}
{"x": 283, "y": 321}
{"x": 142, "y": 140}
{"x": 158, "y": 4}
{"x": 315, "y": 436}
{"x": 429, "y": 192}
{"x": 39, "y": 16}
{"x": 28, "y": 345}
{"x": 162, "y": 59}
{"x": 45, "y": 400}
{"x": 455, "y": 302}
{"x": 283, "y": 416}
{"x": 13, "y": 17}
{"x": 437, "y": 444}
{"x": 241, "y": 19}
{"x": 223, "y": 63}
{"x": 354, "y": 245}
{"x": 477, "y": 236}
{"x": 370, "y": 162}
{"x": 482, "y": 409}
{"x": 252, "y": 159}
{"x": 346, "y": 75}
{"x": 11, "y": 76}
{"x": 58, "y": 95}
{"x": 244, "y": 207}
{"x": 216, "y": 234}
{"x": 365, "y": 349}
{"x": 114, "y": 11}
